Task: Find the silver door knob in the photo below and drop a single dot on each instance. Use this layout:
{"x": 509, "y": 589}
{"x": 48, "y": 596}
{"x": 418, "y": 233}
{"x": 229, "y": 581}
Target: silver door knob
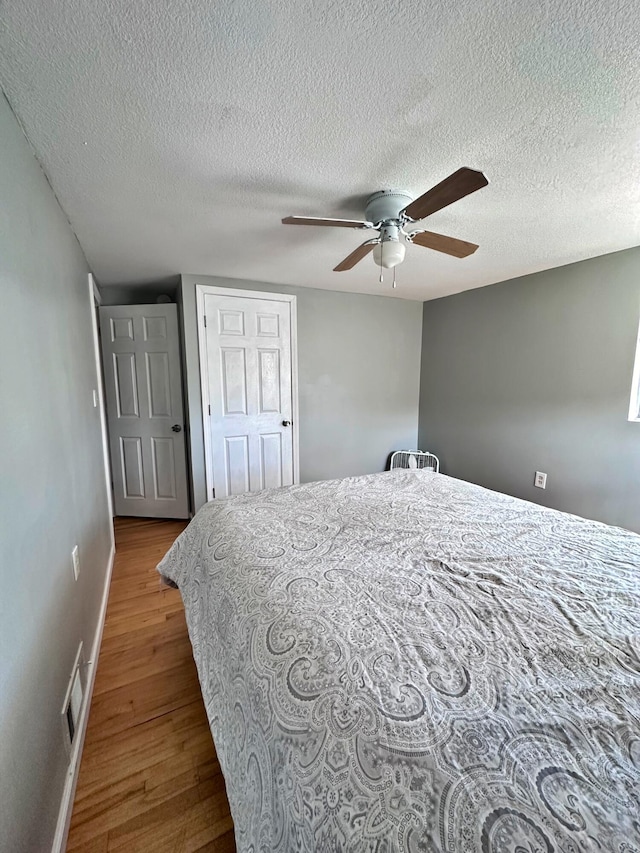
{"x": 176, "y": 428}
{"x": 286, "y": 423}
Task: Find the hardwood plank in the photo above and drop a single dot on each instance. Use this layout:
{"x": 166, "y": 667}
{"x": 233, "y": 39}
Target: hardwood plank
{"x": 149, "y": 698}
{"x": 124, "y": 626}
{"x": 174, "y": 628}
{"x": 223, "y": 844}
{"x": 142, "y": 748}
{"x": 128, "y": 666}
{"x": 99, "y": 844}
{"x": 170, "y": 824}
{"x": 214, "y": 837}
{"x": 149, "y": 779}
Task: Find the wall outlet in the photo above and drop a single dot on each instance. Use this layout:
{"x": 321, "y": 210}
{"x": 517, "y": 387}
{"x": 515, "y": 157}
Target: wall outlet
{"x": 541, "y": 480}
{"x": 75, "y": 559}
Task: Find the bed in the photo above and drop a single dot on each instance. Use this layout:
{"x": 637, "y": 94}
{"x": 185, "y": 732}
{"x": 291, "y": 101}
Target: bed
{"x": 409, "y": 662}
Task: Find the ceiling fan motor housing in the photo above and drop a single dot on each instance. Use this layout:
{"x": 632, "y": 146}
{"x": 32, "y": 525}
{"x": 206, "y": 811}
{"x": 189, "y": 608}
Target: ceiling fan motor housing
{"x": 385, "y": 205}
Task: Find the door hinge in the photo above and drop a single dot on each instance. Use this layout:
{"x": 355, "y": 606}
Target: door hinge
{"x": 209, "y": 409}
{"x": 205, "y": 321}
{"x": 213, "y": 493}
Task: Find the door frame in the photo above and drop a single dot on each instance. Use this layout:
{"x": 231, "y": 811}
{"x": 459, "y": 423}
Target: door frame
{"x": 95, "y": 299}
{"x": 203, "y": 290}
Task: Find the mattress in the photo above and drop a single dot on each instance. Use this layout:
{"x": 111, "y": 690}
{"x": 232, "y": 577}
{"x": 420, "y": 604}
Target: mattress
{"x": 408, "y": 662}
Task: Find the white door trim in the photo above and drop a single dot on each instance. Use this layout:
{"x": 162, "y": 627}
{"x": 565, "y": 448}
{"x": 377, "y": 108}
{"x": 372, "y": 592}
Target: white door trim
{"x": 95, "y": 299}
{"x": 97, "y": 296}
{"x": 203, "y": 290}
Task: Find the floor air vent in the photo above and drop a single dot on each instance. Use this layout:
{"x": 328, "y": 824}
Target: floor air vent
{"x": 73, "y": 700}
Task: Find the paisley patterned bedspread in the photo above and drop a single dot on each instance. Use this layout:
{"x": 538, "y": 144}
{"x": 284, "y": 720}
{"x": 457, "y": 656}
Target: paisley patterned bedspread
{"x": 408, "y": 662}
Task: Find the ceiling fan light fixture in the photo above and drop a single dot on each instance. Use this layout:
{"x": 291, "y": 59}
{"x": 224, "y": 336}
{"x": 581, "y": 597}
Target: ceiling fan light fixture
{"x": 388, "y": 253}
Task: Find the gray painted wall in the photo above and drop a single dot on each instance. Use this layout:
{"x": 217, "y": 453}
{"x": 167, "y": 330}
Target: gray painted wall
{"x": 535, "y": 374}
{"x": 358, "y": 368}
{"x": 52, "y": 489}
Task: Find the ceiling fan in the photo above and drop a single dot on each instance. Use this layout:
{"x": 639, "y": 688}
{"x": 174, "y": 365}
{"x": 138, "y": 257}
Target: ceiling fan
{"x": 394, "y": 214}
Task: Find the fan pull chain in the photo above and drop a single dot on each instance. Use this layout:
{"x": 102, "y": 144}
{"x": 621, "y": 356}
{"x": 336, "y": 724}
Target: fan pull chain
{"x": 394, "y": 279}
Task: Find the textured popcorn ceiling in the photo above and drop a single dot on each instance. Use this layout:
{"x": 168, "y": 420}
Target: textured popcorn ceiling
{"x": 178, "y": 134}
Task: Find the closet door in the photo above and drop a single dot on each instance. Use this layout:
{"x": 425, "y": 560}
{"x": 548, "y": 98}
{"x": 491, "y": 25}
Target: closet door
{"x": 248, "y": 394}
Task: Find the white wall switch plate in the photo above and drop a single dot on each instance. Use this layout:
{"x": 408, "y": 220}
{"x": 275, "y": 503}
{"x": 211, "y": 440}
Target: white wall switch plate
{"x": 95, "y": 399}
{"x": 75, "y": 558}
{"x": 541, "y": 480}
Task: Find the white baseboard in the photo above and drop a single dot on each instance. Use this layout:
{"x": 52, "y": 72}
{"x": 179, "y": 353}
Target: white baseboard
{"x": 66, "y": 805}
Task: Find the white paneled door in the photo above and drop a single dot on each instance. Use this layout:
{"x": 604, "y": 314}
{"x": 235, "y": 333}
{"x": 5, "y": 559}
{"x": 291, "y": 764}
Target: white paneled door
{"x": 247, "y": 392}
{"x": 141, "y": 361}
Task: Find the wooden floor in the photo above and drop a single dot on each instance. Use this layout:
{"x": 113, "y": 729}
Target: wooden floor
{"x": 149, "y": 778}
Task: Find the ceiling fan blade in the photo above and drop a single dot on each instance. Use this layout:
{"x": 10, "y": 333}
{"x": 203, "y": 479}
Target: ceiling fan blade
{"x": 456, "y": 186}
{"x": 357, "y": 255}
{"x": 448, "y": 245}
{"x": 318, "y": 220}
